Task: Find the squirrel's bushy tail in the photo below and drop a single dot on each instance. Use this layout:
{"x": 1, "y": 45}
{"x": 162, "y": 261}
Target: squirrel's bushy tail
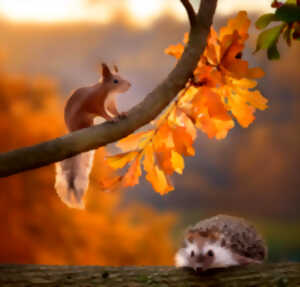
{"x": 72, "y": 178}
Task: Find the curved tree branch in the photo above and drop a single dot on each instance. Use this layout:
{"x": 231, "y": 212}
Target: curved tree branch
{"x": 190, "y": 11}
{"x": 87, "y": 139}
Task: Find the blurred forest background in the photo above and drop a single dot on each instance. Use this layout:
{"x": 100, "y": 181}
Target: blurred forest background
{"x": 252, "y": 173}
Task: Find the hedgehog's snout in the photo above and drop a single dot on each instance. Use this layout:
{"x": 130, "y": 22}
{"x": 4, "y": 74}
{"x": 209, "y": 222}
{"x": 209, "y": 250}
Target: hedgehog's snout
{"x": 198, "y": 269}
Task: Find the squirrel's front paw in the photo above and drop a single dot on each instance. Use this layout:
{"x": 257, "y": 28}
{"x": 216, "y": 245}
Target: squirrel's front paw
{"x": 113, "y": 120}
{"x": 123, "y": 115}
{"x": 118, "y": 117}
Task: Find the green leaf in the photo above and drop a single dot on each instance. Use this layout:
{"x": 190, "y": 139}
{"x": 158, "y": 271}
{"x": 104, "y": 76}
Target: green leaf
{"x": 288, "y": 13}
{"x": 264, "y": 20}
{"x": 268, "y": 37}
{"x": 291, "y": 2}
{"x": 273, "y": 53}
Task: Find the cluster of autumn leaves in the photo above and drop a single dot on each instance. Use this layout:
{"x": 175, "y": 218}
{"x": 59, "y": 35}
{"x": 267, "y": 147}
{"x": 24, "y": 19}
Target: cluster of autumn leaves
{"x": 222, "y": 89}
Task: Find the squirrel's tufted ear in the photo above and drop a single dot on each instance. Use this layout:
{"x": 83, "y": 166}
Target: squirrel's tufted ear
{"x": 116, "y": 68}
{"x": 106, "y": 74}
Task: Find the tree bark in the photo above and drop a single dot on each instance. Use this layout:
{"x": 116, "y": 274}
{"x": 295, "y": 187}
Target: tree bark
{"x": 87, "y": 139}
{"x": 275, "y": 275}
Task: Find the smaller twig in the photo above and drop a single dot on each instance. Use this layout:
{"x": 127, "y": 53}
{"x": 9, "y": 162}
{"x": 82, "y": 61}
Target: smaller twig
{"x": 190, "y": 11}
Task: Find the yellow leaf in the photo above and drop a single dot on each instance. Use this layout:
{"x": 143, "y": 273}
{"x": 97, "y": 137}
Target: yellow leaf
{"x": 133, "y": 174}
{"x": 159, "y": 122}
{"x": 175, "y": 50}
{"x": 212, "y": 51}
{"x": 155, "y": 175}
{"x": 162, "y": 184}
{"x": 240, "y": 24}
{"x": 149, "y": 160}
{"x": 242, "y": 83}
{"x": 184, "y": 121}
{"x": 120, "y": 160}
{"x": 223, "y": 128}
{"x": 214, "y": 127}
{"x": 159, "y": 181}
{"x": 189, "y": 94}
{"x": 255, "y": 99}
{"x": 177, "y": 162}
{"x": 163, "y": 137}
{"x": 183, "y": 133}
{"x": 134, "y": 141}
{"x": 243, "y": 112}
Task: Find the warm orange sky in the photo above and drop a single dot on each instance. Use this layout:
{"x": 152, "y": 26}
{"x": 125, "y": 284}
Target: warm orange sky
{"x": 140, "y": 12}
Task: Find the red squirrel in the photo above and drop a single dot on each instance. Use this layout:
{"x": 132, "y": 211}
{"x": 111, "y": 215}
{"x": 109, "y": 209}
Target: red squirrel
{"x": 82, "y": 107}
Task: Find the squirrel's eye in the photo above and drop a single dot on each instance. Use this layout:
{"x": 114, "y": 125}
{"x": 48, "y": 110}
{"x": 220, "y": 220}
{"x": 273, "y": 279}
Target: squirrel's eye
{"x": 210, "y": 253}
{"x": 192, "y": 254}
{"x": 116, "y": 81}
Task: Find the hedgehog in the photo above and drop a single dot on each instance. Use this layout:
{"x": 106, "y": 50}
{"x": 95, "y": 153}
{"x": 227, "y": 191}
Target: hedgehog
{"x": 220, "y": 242}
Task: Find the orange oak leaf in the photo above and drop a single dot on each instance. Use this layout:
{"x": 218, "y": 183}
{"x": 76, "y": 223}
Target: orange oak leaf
{"x": 163, "y": 157}
{"x": 133, "y": 174}
{"x": 175, "y": 50}
{"x": 243, "y": 112}
{"x": 169, "y": 161}
{"x": 120, "y": 160}
{"x": 155, "y": 175}
{"x": 215, "y": 107}
{"x": 164, "y": 137}
{"x": 110, "y": 183}
{"x": 214, "y": 127}
{"x": 223, "y": 127}
{"x": 149, "y": 160}
{"x": 207, "y": 76}
{"x": 232, "y": 47}
{"x": 159, "y": 181}
{"x": 206, "y": 124}
{"x": 135, "y": 141}
{"x": 213, "y": 49}
{"x": 183, "y": 120}
{"x": 183, "y": 141}
{"x": 253, "y": 98}
{"x": 240, "y": 23}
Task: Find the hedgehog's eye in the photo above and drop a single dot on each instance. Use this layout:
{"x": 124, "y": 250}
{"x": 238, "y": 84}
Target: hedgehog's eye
{"x": 210, "y": 253}
{"x": 116, "y": 81}
{"x": 192, "y": 253}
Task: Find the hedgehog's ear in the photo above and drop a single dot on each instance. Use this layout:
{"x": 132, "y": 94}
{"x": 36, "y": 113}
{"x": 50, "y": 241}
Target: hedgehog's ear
{"x": 190, "y": 236}
{"x": 106, "y": 73}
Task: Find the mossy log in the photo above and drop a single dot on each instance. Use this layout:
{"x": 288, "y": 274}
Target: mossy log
{"x": 275, "y": 275}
